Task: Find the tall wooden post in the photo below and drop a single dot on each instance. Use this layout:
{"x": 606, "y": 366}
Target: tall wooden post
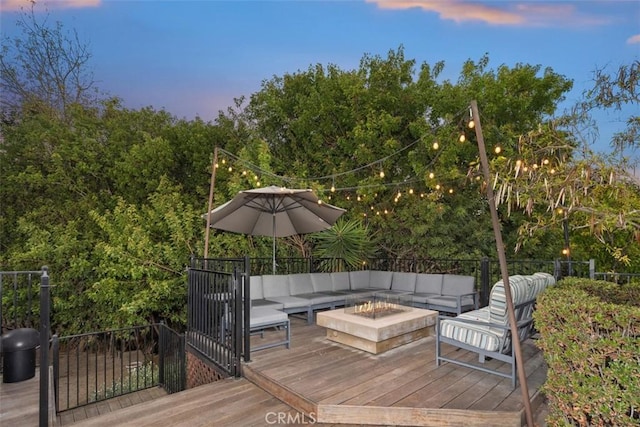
{"x": 522, "y": 375}
{"x": 211, "y": 189}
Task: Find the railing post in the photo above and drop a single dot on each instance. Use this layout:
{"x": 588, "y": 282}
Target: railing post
{"x": 246, "y": 319}
{"x": 592, "y": 268}
{"x": 55, "y": 347}
{"x": 484, "y": 281}
{"x": 161, "y": 352}
{"x": 238, "y": 322}
{"x": 557, "y": 269}
{"x": 44, "y": 348}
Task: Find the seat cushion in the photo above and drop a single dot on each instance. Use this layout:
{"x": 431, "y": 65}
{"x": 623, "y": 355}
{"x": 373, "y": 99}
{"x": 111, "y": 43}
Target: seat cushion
{"x": 322, "y": 282}
{"x": 422, "y": 297}
{"x": 255, "y": 287}
{"x": 450, "y": 301}
{"x": 266, "y": 316}
{"x": 265, "y": 303}
{"x": 340, "y": 281}
{"x": 359, "y": 279}
{"x": 478, "y": 336}
{"x": 380, "y": 279}
{"x": 291, "y": 302}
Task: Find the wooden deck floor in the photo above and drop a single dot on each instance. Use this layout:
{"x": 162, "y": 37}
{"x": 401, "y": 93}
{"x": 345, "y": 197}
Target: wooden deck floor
{"x": 328, "y": 384}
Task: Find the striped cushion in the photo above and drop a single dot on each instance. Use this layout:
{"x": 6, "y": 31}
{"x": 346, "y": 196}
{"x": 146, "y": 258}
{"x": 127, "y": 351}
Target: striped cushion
{"x": 475, "y": 335}
{"x": 498, "y": 312}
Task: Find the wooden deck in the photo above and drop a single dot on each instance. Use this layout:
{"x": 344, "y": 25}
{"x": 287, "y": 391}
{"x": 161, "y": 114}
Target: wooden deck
{"x": 328, "y": 384}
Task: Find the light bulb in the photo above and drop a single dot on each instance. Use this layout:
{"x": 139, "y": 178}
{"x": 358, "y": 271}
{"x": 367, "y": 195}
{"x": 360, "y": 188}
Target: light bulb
{"x": 224, "y": 161}
{"x": 451, "y": 191}
{"x": 497, "y": 149}
{"x": 545, "y": 161}
{"x": 216, "y": 166}
{"x": 333, "y": 189}
{"x": 462, "y": 138}
{"x": 436, "y": 146}
{"x": 411, "y": 191}
{"x": 471, "y": 124}
{"x": 359, "y": 198}
{"x": 230, "y": 169}
{"x": 319, "y": 201}
{"x": 381, "y": 174}
{"x": 432, "y": 175}
{"x": 437, "y": 186}
{"x": 244, "y": 173}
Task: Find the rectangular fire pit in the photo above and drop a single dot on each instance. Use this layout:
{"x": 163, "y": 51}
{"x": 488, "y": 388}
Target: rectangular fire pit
{"x": 379, "y": 334}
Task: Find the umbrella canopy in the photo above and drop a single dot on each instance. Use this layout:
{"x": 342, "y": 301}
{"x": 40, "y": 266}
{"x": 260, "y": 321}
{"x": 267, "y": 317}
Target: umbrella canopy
{"x": 274, "y": 211}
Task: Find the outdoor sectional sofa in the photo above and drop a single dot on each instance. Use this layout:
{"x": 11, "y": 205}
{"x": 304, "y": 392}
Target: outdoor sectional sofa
{"x": 304, "y": 293}
{"x": 486, "y": 331}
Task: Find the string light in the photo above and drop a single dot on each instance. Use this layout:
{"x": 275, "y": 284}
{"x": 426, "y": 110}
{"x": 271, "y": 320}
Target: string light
{"x": 462, "y": 138}
{"x": 436, "y": 145}
{"x": 432, "y": 175}
{"x": 498, "y": 149}
{"x": 381, "y": 174}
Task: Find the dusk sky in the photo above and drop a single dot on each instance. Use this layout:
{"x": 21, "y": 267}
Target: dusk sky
{"x": 193, "y": 57}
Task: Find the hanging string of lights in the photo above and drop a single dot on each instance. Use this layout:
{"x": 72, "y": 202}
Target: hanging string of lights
{"x": 427, "y": 185}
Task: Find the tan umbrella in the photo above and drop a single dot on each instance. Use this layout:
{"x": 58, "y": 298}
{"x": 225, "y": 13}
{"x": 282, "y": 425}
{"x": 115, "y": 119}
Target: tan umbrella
{"x": 274, "y": 211}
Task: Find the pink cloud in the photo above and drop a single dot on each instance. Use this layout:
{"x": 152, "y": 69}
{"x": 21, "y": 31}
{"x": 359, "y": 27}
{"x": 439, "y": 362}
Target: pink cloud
{"x": 634, "y": 39}
{"x": 16, "y": 5}
{"x": 457, "y": 11}
{"x": 499, "y": 13}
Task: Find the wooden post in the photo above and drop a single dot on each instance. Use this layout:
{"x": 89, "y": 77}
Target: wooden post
{"x": 211, "y": 188}
{"x": 522, "y": 375}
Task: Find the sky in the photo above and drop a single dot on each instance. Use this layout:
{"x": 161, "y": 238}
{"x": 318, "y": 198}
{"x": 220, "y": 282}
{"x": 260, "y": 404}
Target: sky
{"x": 192, "y": 58}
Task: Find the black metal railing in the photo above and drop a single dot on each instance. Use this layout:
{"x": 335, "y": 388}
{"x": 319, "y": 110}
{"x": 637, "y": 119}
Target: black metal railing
{"x": 619, "y": 278}
{"x": 97, "y": 366}
{"x": 215, "y": 320}
{"x": 19, "y": 300}
{"x": 172, "y": 363}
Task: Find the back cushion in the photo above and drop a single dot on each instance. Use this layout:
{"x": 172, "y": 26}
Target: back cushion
{"x": 453, "y": 284}
{"x": 404, "y": 281}
{"x": 519, "y": 286}
{"x": 340, "y": 281}
{"x": 255, "y": 287}
{"x": 275, "y": 285}
{"x": 380, "y": 279}
{"x": 321, "y": 282}
{"x": 300, "y": 284}
{"x": 359, "y": 279}
{"x": 429, "y": 283}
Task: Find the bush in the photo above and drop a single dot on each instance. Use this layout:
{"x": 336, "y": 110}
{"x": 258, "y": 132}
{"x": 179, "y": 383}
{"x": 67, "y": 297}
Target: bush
{"x": 590, "y": 335}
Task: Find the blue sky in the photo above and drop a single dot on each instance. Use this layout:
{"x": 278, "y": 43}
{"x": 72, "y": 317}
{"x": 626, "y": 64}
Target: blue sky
{"x": 193, "y": 57}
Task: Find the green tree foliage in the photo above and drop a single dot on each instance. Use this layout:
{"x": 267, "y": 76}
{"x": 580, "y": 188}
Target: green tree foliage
{"x": 347, "y": 243}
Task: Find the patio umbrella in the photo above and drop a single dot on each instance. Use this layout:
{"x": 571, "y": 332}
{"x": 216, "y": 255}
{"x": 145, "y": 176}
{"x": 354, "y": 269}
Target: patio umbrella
{"x": 274, "y": 211}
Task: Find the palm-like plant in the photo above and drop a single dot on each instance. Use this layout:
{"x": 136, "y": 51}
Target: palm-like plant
{"x": 347, "y": 244}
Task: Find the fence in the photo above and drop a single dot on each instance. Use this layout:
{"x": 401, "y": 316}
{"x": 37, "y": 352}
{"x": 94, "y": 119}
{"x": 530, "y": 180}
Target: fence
{"x": 215, "y": 320}
{"x": 19, "y": 300}
{"x": 93, "y": 367}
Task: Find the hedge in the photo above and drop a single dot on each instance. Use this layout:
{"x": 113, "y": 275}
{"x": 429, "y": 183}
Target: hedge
{"x": 590, "y": 336}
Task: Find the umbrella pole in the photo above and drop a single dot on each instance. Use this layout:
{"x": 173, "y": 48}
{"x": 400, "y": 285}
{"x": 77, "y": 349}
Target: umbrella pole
{"x": 522, "y": 376}
{"x": 273, "y": 250}
{"x": 211, "y": 189}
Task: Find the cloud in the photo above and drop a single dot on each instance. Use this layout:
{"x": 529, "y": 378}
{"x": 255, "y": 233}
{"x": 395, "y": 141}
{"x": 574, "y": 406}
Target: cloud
{"x": 17, "y": 5}
{"x": 634, "y": 39}
{"x": 499, "y": 13}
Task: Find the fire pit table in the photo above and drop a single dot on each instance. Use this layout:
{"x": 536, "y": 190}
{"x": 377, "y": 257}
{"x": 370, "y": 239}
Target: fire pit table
{"x": 377, "y": 322}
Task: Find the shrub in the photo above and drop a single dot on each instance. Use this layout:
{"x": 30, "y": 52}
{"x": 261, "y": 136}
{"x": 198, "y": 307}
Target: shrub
{"x": 590, "y": 335}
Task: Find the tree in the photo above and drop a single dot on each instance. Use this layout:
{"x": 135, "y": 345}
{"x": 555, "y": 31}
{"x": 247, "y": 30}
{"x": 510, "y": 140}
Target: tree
{"x": 46, "y": 69}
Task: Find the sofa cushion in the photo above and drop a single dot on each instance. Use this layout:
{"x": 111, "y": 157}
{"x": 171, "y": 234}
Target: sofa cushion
{"x": 275, "y": 285}
{"x": 450, "y": 301}
{"x": 479, "y": 336}
{"x": 321, "y": 282}
{"x": 422, "y": 298}
{"x": 403, "y": 282}
{"x": 340, "y": 281}
{"x": 289, "y": 302}
{"x": 380, "y": 279}
{"x": 498, "y": 312}
{"x": 266, "y": 316}
{"x": 454, "y": 284}
{"x": 265, "y": 303}
{"x": 359, "y": 279}
{"x": 255, "y": 287}
{"x": 429, "y": 284}
{"x": 300, "y": 283}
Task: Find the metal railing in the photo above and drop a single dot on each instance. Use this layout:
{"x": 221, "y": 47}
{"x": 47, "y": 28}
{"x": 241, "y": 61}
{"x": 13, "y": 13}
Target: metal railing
{"x": 97, "y": 366}
{"x": 215, "y": 307}
{"x": 19, "y": 300}
{"x": 619, "y": 278}
{"x": 172, "y": 374}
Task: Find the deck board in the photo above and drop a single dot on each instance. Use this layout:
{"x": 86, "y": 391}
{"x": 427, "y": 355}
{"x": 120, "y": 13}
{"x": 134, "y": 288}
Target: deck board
{"x": 330, "y": 381}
